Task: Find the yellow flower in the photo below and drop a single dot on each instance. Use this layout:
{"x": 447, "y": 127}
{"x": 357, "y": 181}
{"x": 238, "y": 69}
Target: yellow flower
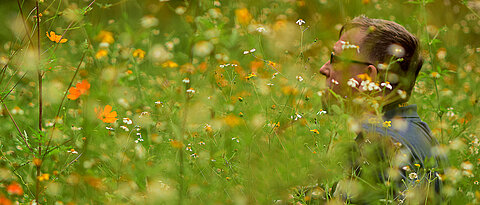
{"x": 435, "y": 75}
{"x": 101, "y": 53}
{"x": 176, "y": 144}
{"x": 270, "y": 63}
{"x": 43, "y": 177}
{"x": 232, "y": 120}
{"x": 139, "y": 53}
{"x": 251, "y": 75}
{"x": 315, "y": 131}
{"x": 364, "y": 76}
{"x": 387, "y": 123}
{"x": 105, "y": 37}
{"x": 56, "y": 38}
{"x": 170, "y": 64}
{"x": 243, "y": 16}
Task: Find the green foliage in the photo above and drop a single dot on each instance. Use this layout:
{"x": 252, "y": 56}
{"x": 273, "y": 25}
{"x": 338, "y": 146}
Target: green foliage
{"x": 201, "y": 118}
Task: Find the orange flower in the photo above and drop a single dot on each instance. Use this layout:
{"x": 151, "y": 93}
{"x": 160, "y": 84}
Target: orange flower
{"x": 4, "y": 200}
{"x": 14, "y": 188}
{"x": 139, "y": 53}
{"x": 106, "y": 115}
{"x": 56, "y": 38}
{"x": 105, "y": 37}
{"x": 169, "y": 64}
{"x": 243, "y": 16}
{"x": 81, "y": 88}
{"x": 101, "y": 53}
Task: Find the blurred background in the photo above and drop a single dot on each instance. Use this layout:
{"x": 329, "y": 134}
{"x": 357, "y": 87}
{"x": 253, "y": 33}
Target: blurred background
{"x": 224, "y": 98}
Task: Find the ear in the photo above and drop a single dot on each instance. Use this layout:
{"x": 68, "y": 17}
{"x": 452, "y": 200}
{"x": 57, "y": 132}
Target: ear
{"x": 372, "y": 72}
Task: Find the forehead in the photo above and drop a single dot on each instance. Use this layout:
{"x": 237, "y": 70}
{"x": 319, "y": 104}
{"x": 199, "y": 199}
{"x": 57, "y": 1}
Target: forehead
{"x": 353, "y": 36}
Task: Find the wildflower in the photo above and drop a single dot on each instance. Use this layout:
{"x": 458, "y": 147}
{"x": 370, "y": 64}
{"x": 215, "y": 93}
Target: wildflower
{"x": 364, "y": 76}
{"x": 232, "y": 120}
{"x": 194, "y": 155}
{"x": 387, "y": 123}
{"x": 296, "y": 116}
{"x": 260, "y": 29}
{"x": 208, "y": 128}
{"x": 186, "y": 80}
{"x": 372, "y": 86}
{"x": 236, "y": 139}
{"x": 352, "y": 83}
{"x": 125, "y": 128}
{"x": 434, "y": 75}
{"x": 140, "y": 139}
{"x": 127, "y": 121}
{"x": 202, "y": 48}
{"x": 15, "y": 188}
{"x": 249, "y": 51}
{"x": 191, "y": 90}
{"x": 300, "y": 22}
{"x": 106, "y": 115}
{"x": 243, "y": 16}
{"x": 402, "y": 94}
{"x": 387, "y": 85}
{"x": 80, "y": 89}
{"x": 43, "y": 177}
{"x": 270, "y": 63}
{"x": 101, "y": 53}
{"x": 417, "y": 165}
{"x": 56, "y": 38}
{"x": 396, "y": 50}
{"x": 139, "y": 53}
{"x": 406, "y": 168}
{"x": 321, "y": 112}
{"x": 347, "y": 45}
{"x": 73, "y": 151}
{"x": 17, "y": 110}
{"x": 467, "y": 165}
{"x": 413, "y": 175}
{"x": 148, "y": 21}
{"x": 169, "y": 64}
{"x": 450, "y": 112}
{"x": 315, "y": 131}
{"x": 176, "y": 144}
{"x": 105, "y": 37}
{"x": 334, "y": 82}
{"x": 299, "y": 78}
{"x": 251, "y": 75}
{"x": 201, "y": 143}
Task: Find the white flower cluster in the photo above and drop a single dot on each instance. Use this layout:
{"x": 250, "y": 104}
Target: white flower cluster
{"x": 250, "y": 51}
{"x": 300, "y": 22}
{"x": 296, "y": 116}
{"x": 347, "y": 45}
{"x": 228, "y": 64}
{"x": 368, "y": 85}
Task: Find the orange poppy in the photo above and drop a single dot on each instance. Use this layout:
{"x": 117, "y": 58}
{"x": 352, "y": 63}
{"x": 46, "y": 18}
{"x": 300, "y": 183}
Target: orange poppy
{"x": 106, "y": 115}
{"x": 15, "y": 188}
{"x": 56, "y": 38}
{"x": 80, "y": 89}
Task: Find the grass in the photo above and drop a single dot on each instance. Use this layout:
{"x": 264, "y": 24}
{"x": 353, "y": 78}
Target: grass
{"x": 201, "y": 117}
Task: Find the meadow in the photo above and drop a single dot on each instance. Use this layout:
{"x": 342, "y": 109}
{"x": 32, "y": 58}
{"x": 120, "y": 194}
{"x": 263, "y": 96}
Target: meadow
{"x": 212, "y": 101}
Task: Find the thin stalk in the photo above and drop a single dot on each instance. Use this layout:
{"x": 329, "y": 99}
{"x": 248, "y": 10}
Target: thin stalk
{"x": 40, "y": 103}
{"x": 61, "y": 103}
{"x": 16, "y": 126}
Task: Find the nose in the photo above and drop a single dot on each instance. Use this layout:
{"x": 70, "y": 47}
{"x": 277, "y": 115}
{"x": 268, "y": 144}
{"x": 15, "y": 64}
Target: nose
{"x": 325, "y": 69}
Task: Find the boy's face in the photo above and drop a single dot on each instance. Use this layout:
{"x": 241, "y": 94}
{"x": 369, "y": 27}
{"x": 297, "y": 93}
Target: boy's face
{"x": 347, "y": 63}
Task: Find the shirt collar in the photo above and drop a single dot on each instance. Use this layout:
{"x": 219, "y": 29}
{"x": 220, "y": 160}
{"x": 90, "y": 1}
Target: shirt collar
{"x": 409, "y": 111}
